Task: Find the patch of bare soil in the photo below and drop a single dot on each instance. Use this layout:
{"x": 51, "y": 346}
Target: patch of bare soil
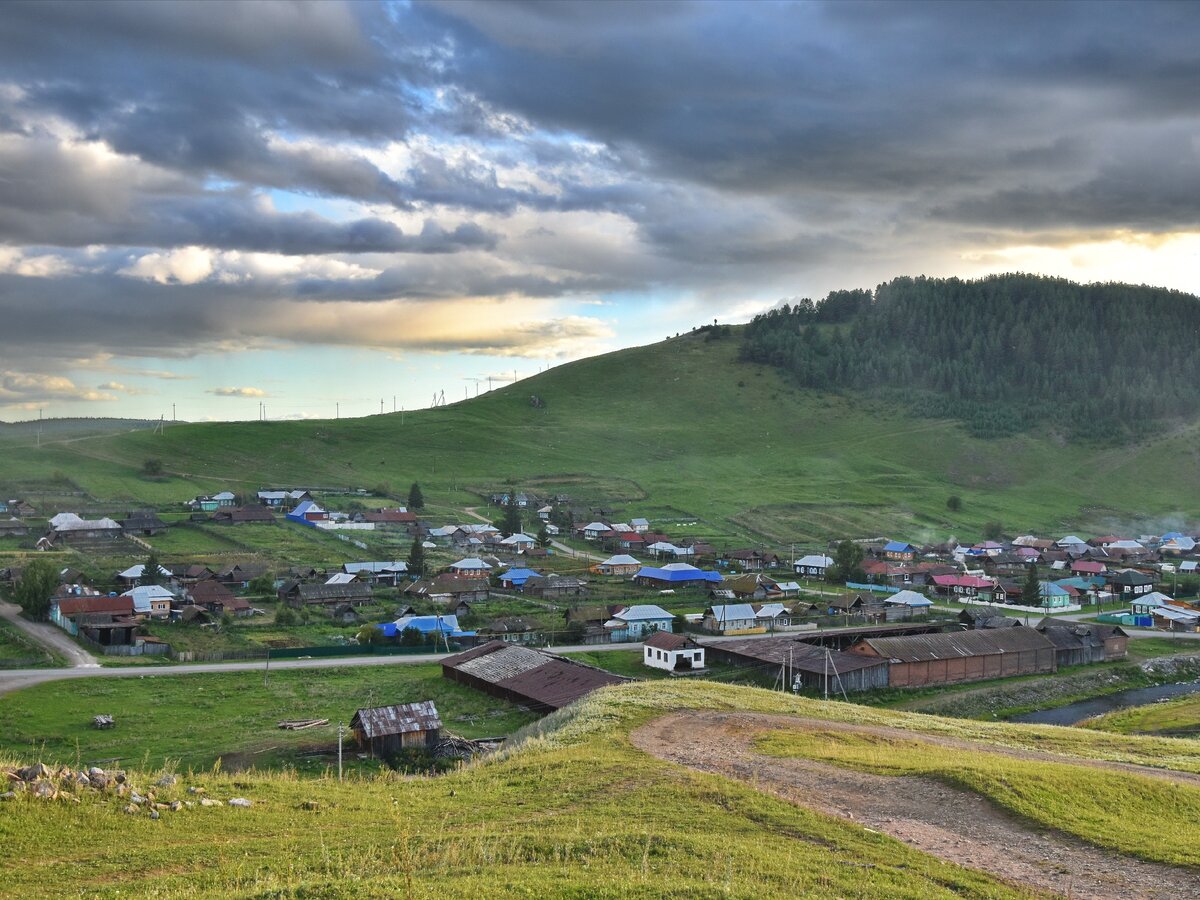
{"x": 954, "y": 825}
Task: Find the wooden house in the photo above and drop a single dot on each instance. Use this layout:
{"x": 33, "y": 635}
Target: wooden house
{"x": 384, "y": 730}
{"x": 143, "y": 522}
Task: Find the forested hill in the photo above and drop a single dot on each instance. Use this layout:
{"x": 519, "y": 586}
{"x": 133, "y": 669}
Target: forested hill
{"x": 1003, "y": 354}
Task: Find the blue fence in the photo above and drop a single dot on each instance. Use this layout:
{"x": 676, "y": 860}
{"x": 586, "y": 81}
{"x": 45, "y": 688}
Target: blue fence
{"x": 877, "y": 588}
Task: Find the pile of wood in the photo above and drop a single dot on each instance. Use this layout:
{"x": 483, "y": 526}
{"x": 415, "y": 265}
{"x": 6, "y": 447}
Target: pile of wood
{"x": 300, "y": 724}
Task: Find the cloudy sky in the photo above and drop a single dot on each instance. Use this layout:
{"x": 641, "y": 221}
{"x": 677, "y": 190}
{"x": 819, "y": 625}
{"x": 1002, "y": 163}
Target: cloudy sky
{"x": 302, "y": 205}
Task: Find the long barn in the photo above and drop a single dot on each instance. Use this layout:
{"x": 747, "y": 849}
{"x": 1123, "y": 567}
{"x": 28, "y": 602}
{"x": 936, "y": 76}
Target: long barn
{"x": 802, "y": 661}
{"x": 957, "y": 656}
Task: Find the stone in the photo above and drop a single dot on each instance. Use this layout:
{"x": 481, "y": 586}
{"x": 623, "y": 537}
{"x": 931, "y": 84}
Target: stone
{"x": 100, "y": 782}
{"x": 44, "y": 790}
{"x": 96, "y": 770}
{"x": 82, "y": 780}
{"x": 122, "y": 790}
{"x": 135, "y": 797}
{"x": 310, "y": 804}
{"x": 240, "y": 801}
{"x": 175, "y": 806}
{"x": 119, "y": 778}
{"x": 154, "y": 814}
{"x": 131, "y": 809}
{"x": 166, "y": 781}
{"x": 33, "y": 773}
{"x": 205, "y": 801}
{"x": 195, "y": 790}
{"x": 8, "y": 795}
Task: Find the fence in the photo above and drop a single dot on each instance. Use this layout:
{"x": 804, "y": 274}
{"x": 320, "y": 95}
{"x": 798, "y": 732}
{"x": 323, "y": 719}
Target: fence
{"x": 310, "y": 652}
{"x": 876, "y": 588}
{"x": 151, "y": 648}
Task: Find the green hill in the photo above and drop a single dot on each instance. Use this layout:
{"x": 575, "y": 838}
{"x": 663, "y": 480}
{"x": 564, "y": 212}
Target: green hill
{"x": 588, "y": 806}
{"x": 680, "y": 431}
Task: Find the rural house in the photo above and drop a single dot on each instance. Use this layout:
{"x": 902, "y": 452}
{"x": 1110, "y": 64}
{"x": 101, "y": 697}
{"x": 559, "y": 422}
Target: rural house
{"x": 621, "y": 564}
{"x": 449, "y": 589}
{"x": 732, "y": 618}
{"x": 299, "y": 595}
{"x": 557, "y": 587}
{"x": 244, "y": 515}
{"x": 672, "y": 653}
{"x": 813, "y": 565}
{"x": 143, "y": 522}
{"x": 675, "y": 575}
{"x": 631, "y": 623}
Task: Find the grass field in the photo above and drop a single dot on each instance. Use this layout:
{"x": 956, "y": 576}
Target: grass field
{"x": 566, "y": 813}
{"x": 730, "y": 447}
{"x": 1115, "y": 810}
{"x": 16, "y": 650}
{"x": 193, "y": 720}
{"x": 1179, "y": 717}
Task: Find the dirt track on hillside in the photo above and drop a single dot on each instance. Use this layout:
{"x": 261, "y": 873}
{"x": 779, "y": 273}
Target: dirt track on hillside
{"x": 954, "y": 825}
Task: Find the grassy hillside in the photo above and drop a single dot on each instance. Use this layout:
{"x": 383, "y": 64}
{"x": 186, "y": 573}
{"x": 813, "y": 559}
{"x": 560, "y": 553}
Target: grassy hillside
{"x": 679, "y": 431}
{"x": 574, "y": 811}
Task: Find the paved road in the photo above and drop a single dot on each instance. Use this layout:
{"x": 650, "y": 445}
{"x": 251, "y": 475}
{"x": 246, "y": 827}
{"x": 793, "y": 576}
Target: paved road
{"x": 49, "y": 636}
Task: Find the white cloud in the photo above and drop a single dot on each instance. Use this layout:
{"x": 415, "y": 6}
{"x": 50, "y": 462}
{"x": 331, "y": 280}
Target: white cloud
{"x": 237, "y": 392}
{"x": 187, "y": 265}
{"x": 26, "y": 388}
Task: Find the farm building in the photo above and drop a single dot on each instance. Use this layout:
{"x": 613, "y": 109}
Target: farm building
{"x": 383, "y": 730}
{"x": 557, "y": 587}
{"x": 244, "y": 515}
{"x": 517, "y": 578}
{"x": 1078, "y": 643}
{"x": 675, "y": 575}
{"x": 807, "y": 663}
{"x": 377, "y": 572}
{"x": 533, "y": 678}
{"x": 299, "y": 595}
{"x": 672, "y": 652}
{"x": 919, "y": 660}
{"x": 144, "y": 522}
{"x": 448, "y": 589}
{"x": 70, "y": 530}
{"x": 307, "y": 512}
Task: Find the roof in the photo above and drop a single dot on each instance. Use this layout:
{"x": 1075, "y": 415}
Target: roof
{"x": 403, "y": 718}
{"x": 145, "y": 594}
{"x": 471, "y": 563}
{"x": 340, "y": 578}
{"x": 375, "y": 568}
{"x": 621, "y": 559}
{"x": 643, "y": 613}
{"x": 303, "y": 508}
{"x": 690, "y": 573}
{"x": 898, "y": 547}
{"x": 520, "y": 575}
{"x": 447, "y": 624}
{"x": 73, "y": 606}
{"x": 957, "y": 644}
{"x": 732, "y": 612}
{"x": 910, "y": 598}
{"x": 815, "y": 559}
{"x": 543, "y": 679}
{"x": 140, "y": 569}
{"x": 961, "y": 581}
{"x": 794, "y": 651}
{"x": 71, "y": 522}
{"x": 665, "y": 640}
{"x": 446, "y": 584}
{"x": 354, "y": 590}
{"x": 519, "y": 538}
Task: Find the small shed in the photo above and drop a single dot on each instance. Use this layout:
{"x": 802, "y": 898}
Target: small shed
{"x": 382, "y": 730}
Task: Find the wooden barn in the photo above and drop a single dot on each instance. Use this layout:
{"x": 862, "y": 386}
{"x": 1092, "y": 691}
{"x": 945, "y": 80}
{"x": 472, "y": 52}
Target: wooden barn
{"x": 958, "y": 656}
{"x": 804, "y": 662}
{"x": 1080, "y": 643}
{"x": 383, "y": 730}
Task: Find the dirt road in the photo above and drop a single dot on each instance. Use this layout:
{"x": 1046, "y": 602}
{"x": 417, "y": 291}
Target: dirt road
{"x": 954, "y": 825}
{"x": 47, "y": 635}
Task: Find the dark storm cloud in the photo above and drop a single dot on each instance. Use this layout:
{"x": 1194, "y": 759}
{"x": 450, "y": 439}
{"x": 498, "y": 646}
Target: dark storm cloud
{"x": 636, "y": 146}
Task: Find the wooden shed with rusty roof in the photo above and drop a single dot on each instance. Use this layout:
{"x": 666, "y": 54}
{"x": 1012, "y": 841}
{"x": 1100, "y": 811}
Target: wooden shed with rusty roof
{"x": 383, "y": 730}
{"x": 957, "y": 656}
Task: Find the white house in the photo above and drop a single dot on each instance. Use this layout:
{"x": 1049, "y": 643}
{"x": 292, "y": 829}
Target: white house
{"x": 593, "y": 530}
{"x": 672, "y": 652}
{"x": 519, "y": 542}
{"x": 813, "y": 566}
{"x": 470, "y": 566}
{"x": 641, "y": 526}
{"x": 732, "y": 617}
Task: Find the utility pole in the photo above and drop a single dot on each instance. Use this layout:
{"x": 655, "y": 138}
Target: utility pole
{"x": 381, "y": 406}
{"x": 341, "y": 731}
{"x": 337, "y": 410}
{"x": 267, "y": 669}
{"x": 173, "y": 412}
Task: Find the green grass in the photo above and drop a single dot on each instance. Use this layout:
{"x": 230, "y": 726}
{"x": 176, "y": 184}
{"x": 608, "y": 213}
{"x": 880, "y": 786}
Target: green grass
{"x": 198, "y": 718}
{"x": 17, "y": 651}
{"x": 1120, "y": 811}
{"x": 1180, "y": 717}
{"x": 736, "y": 449}
{"x": 573, "y": 810}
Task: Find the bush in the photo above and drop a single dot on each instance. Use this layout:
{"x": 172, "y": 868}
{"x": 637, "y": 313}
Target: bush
{"x": 152, "y": 467}
{"x": 954, "y": 503}
{"x": 286, "y": 616}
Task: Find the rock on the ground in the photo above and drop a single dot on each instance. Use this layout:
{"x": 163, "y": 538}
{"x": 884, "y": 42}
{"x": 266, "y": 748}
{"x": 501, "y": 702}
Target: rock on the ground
{"x": 166, "y": 781}
{"x": 205, "y": 801}
{"x": 8, "y": 795}
{"x": 240, "y": 801}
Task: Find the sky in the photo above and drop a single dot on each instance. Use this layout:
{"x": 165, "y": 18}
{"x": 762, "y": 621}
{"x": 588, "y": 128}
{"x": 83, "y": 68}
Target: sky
{"x": 211, "y": 210}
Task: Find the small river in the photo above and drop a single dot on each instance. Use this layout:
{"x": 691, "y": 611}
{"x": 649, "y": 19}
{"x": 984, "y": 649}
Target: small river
{"x": 1085, "y": 709}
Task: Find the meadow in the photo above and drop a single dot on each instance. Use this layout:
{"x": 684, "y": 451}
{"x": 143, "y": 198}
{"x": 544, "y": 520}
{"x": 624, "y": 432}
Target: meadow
{"x": 192, "y": 721}
{"x": 571, "y": 810}
{"x": 1179, "y": 717}
{"x": 725, "y": 450}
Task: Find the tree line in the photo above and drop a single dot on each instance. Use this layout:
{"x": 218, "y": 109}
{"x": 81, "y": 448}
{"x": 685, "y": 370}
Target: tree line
{"x": 1002, "y": 354}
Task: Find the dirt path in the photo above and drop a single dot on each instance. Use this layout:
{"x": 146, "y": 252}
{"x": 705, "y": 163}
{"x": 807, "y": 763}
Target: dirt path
{"x": 47, "y": 635}
{"x": 957, "y": 826}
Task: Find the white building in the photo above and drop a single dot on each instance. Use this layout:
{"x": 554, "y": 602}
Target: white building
{"x": 672, "y": 652}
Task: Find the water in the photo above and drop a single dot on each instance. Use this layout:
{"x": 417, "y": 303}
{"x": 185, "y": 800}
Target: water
{"x": 1085, "y": 709}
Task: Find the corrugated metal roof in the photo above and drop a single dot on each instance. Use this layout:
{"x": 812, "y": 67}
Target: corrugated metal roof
{"x": 542, "y": 678}
{"x": 403, "y": 718}
{"x": 958, "y": 644}
{"x": 502, "y": 663}
{"x": 800, "y": 655}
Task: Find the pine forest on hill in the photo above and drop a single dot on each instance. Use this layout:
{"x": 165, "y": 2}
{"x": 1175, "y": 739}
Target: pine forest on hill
{"x": 1002, "y": 354}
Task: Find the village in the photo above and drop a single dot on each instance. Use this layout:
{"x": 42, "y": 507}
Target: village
{"x": 504, "y": 602}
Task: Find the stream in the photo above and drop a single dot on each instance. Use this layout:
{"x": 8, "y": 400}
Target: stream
{"x": 1085, "y": 709}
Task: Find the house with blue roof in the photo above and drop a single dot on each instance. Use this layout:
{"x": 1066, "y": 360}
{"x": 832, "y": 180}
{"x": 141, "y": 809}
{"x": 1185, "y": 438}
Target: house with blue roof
{"x": 675, "y": 575}
{"x": 899, "y": 551}
{"x": 635, "y": 622}
{"x": 1054, "y": 596}
{"x": 517, "y": 578}
{"x": 307, "y": 512}
{"x": 428, "y": 626}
